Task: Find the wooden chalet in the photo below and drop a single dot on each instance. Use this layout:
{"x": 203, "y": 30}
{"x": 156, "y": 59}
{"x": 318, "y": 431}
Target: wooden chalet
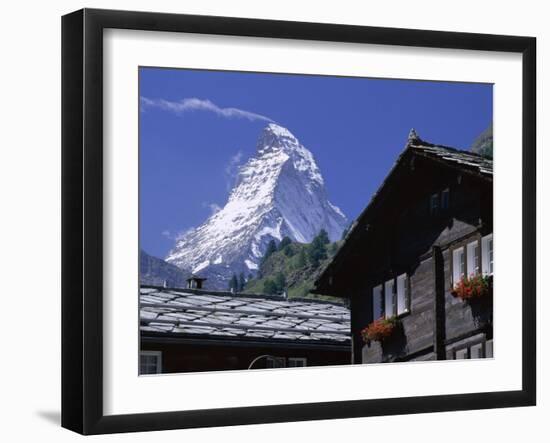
{"x": 189, "y": 330}
{"x": 427, "y": 228}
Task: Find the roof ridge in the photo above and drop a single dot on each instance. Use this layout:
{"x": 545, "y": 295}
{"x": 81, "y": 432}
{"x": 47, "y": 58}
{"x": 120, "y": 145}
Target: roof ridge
{"x": 449, "y": 148}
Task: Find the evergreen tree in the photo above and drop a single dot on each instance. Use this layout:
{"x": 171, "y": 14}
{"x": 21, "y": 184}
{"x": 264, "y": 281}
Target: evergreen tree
{"x": 317, "y": 250}
{"x": 322, "y": 237}
{"x": 233, "y": 283}
{"x": 269, "y": 287}
{"x": 280, "y": 282}
{"x": 271, "y": 248}
{"x": 242, "y": 282}
{"x": 284, "y": 243}
{"x": 302, "y": 260}
{"x": 288, "y": 250}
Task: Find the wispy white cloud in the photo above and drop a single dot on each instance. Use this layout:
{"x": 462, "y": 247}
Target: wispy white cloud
{"x": 175, "y": 236}
{"x": 197, "y": 104}
{"x": 232, "y": 168}
{"x": 234, "y": 162}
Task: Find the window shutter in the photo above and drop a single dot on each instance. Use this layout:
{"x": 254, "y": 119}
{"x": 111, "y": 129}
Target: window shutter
{"x": 471, "y": 258}
{"x": 458, "y": 264}
{"x": 402, "y": 294}
{"x": 377, "y": 302}
{"x": 407, "y": 293}
{"x": 394, "y": 298}
{"x": 389, "y": 302}
{"x": 487, "y": 254}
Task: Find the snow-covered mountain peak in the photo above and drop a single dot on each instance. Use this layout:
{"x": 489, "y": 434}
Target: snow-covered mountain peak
{"x": 276, "y": 137}
{"x": 278, "y": 192}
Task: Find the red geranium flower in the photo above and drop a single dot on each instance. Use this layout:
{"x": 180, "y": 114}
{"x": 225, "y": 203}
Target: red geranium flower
{"x": 379, "y": 330}
{"x": 475, "y": 286}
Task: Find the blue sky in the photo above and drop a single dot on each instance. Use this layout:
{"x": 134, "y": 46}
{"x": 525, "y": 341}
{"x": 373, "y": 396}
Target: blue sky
{"x": 196, "y": 127}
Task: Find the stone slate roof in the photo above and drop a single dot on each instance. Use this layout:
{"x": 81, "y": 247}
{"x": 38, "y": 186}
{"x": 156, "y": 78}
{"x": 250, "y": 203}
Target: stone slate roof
{"x": 192, "y": 312}
{"x": 465, "y": 160}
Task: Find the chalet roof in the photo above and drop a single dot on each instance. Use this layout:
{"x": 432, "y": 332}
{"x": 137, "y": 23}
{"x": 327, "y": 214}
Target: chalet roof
{"x": 468, "y": 161}
{"x": 464, "y": 161}
{"x": 192, "y": 312}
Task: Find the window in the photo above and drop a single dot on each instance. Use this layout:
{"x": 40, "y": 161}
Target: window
{"x": 402, "y": 294}
{"x": 434, "y": 204}
{"x": 388, "y": 299}
{"x": 294, "y": 362}
{"x": 461, "y": 354}
{"x": 275, "y": 362}
{"x": 150, "y": 362}
{"x": 487, "y": 254}
{"x": 472, "y": 257}
{"x": 458, "y": 265}
{"x": 470, "y": 260}
{"x": 392, "y": 298}
{"x": 377, "y": 303}
{"x": 439, "y": 202}
{"x": 445, "y": 199}
{"x": 478, "y": 350}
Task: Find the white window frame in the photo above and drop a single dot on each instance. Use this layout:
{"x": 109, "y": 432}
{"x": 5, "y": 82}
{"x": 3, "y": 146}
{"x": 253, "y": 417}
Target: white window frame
{"x": 274, "y": 362}
{"x": 458, "y": 264}
{"x": 402, "y": 290}
{"x": 472, "y": 258}
{"x": 391, "y": 298}
{"x": 388, "y": 298}
{"x": 158, "y": 355}
{"x": 293, "y": 360}
{"x": 377, "y": 302}
{"x": 487, "y": 254}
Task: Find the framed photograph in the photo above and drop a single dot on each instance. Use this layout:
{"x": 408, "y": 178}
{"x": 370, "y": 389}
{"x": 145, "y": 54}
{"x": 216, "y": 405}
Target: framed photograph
{"x": 269, "y": 221}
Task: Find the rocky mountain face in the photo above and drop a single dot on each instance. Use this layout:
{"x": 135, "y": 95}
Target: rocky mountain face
{"x": 483, "y": 144}
{"x": 278, "y": 192}
{"x": 155, "y": 271}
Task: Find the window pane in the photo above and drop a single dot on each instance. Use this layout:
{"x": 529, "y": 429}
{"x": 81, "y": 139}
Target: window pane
{"x": 149, "y": 363}
{"x": 461, "y": 354}
{"x": 377, "y": 302}
{"x": 445, "y": 199}
{"x": 489, "y": 349}
{"x": 487, "y": 254}
{"x": 388, "y": 298}
{"x": 476, "y": 351}
{"x": 472, "y": 251}
{"x": 275, "y": 362}
{"x": 458, "y": 265}
{"x": 296, "y": 362}
{"x": 434, "y": 204}
{"x": 402, "y": 294}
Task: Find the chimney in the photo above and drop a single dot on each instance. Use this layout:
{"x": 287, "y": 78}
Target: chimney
{"x": 195, "y": 282}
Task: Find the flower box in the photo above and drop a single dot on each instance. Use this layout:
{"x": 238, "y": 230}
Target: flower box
{"x": 379, "y": 330}
{"x": 475, "y": 287}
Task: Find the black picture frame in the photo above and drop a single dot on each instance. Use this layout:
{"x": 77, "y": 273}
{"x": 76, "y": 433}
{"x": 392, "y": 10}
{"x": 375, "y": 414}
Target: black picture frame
{"x": 82, "y": 215}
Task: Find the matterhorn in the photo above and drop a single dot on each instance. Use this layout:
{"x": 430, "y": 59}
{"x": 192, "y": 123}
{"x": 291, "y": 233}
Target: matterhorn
{"x": 279, "y": 192}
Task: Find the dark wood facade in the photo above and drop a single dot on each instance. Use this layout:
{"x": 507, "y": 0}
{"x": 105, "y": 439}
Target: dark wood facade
{"x": 207, "y": 354}
{"x": 435, "y": 201}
